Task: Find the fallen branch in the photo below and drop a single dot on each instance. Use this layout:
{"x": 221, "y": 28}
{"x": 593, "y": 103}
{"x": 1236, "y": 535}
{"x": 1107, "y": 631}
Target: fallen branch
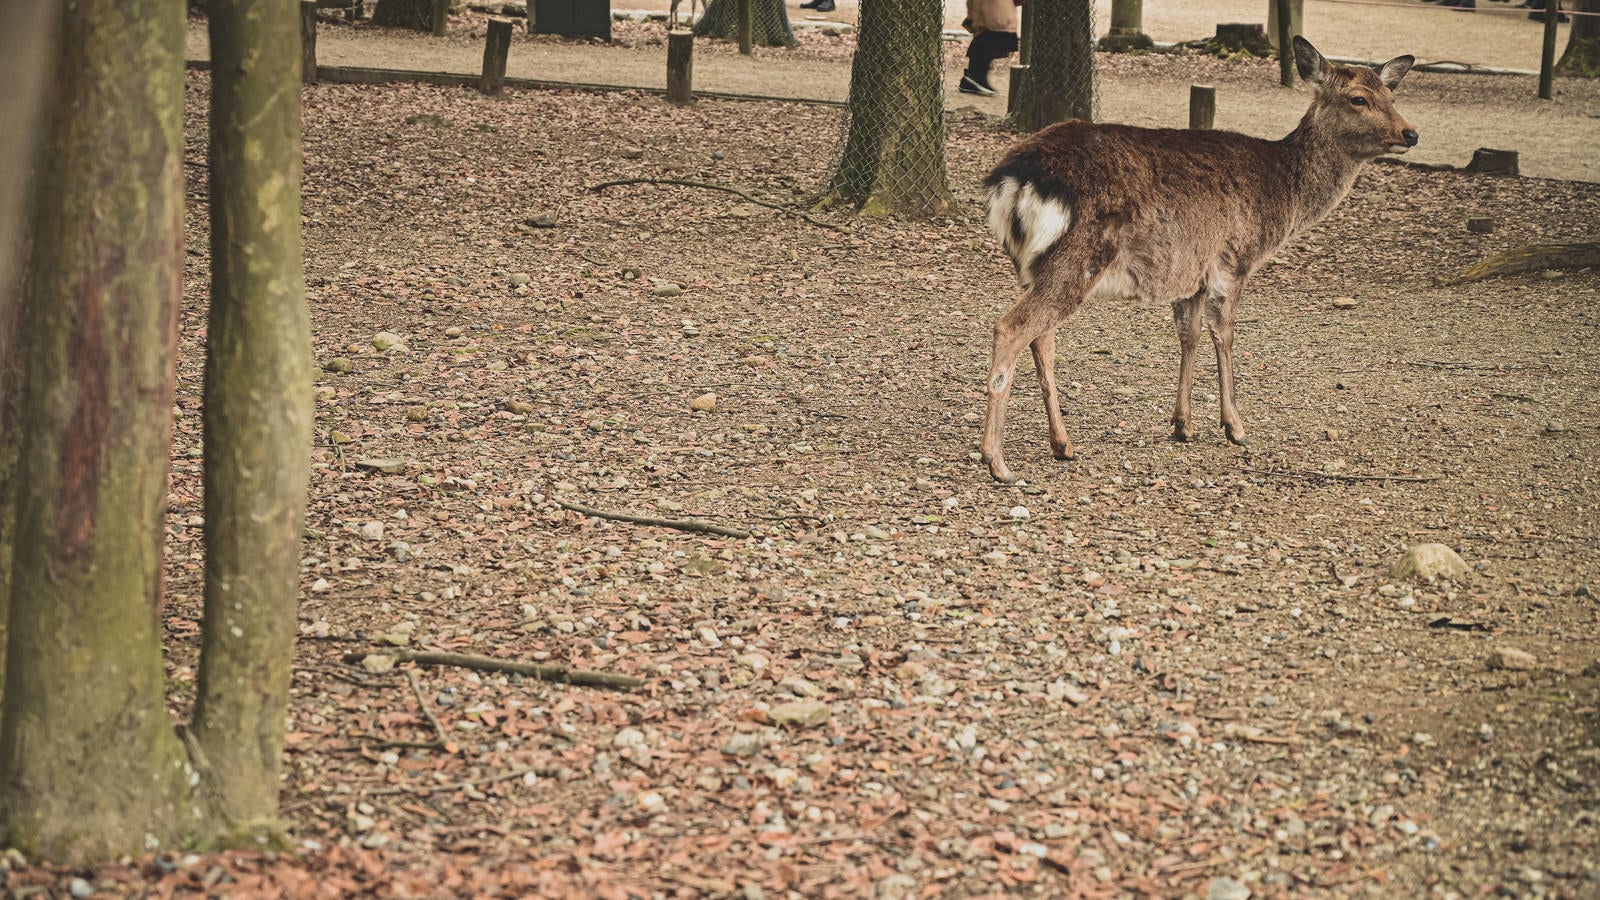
{"x": 458, "y": 786}
{"x": 1532, "y": 258}
{"x": 679, "y": 524}
{"x": 1327, "y": 476}
{"x": 560, "y": 674}
{"x": 717, "y": 187}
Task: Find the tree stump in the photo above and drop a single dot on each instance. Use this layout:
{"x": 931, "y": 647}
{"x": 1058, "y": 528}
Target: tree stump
{"x": 1202, "y": 107}
{"x": 495, "y": 52}
{"x": 308, "y": 41}
{"x": 1493, "y": 162}
{"x": 680, "y": 67}
{"x": 1241, "y": 37}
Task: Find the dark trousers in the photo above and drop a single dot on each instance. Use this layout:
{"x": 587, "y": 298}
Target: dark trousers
{"x": 986, "y": 47}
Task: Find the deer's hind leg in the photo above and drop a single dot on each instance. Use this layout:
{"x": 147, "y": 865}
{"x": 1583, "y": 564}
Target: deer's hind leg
{"x": 1044, "y": 364}
{"x": 1188, "y": 314}
{"x": 1219, "y": 314}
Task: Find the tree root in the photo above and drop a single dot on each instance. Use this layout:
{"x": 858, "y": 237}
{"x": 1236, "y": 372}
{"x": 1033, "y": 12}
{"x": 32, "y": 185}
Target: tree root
{"x": 717, "y": 187}
{"x": 1532, "y": 258}
{"x": 680, "y": 524}
{"x": 560, "y": 674}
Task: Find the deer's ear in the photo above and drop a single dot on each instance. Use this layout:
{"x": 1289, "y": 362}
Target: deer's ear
{"x": 1395, "y": 69}
{"x": 1308, "y": 61}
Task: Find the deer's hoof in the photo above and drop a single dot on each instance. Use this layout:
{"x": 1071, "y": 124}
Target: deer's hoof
{"x": 999, "y": 472}
{"x": 1181, "y": 431}
{"x": 1236, "y": 435}
{"x": 1063, "y": 453}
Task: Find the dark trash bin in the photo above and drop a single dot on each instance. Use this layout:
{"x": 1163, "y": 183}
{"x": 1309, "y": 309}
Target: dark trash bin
{"x": 573, "y": 18}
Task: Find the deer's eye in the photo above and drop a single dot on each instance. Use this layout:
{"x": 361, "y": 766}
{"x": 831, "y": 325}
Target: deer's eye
{"x": 1358, "y": 101}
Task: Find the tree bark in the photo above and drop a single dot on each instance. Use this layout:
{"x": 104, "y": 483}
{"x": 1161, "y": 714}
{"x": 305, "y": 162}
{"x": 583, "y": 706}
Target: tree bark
{"x": 258, "y": 412}
{"x": 1061, "y": 75}
{"x": 1582, "y": 56}
{"x": 90, "y": 767}
{"x": 27, "y": 39}
{"x": 893, "y": 161}
{"x": 769, "y": 23}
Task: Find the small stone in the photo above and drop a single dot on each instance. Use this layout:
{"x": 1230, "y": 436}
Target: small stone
{"x": 454, "y": 331}
{"x": 628, "y": 737}
{"x": 800, "y": 687}
{"x": 1331, "y": 433}
{"x": 401, "y": 551}
{"x": 518, "y": 279}
{"x": 667, "y": 290}
{"x": 416, "y": 414}
{"x": 744, "y": 743}
{"x": 631, "y": 153}
{"x": 519, "y": 407}
{"x": 377, "y": 663}
{"x": 80, "y": 888}
{"x": 704, "y": 403}
{"x": 1344, "y": 303}
{"x": 338, "y": 365}
{"x": 372, "y": 531}
{"x": 1554, "y": 427}
{"x": 388, "y": 340}
{"x": 339, "y": 437}
{"x": 1430, "y": 561}
{"x": 801, "y": 713}
{"x": 541, "y": 220}
{"x": 1481, "y": 224}
{"x": 875, "y": 533}
{"x": 384, "y": 464}
{"x": 1020, "y": 513}
{"x": 1512, "y": 659}
{"x": 1224, "y": 888}
{"x": 1552, "y": 274}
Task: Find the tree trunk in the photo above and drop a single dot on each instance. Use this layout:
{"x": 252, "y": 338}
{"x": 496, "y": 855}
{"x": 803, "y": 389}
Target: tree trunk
{"x": 1061, "y": 75}
{"x": 416, "y": 15}
{"x": 1582, "y": 56}
{"x": 258, "y": 411}
{"x": 893, "y": 161}
{"x": 90, "y": 767}
{"x": 27, "y": 37}
{"x": 769, "y": 26}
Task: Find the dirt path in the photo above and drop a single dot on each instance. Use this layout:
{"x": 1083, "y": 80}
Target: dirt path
{"x": 1455, "y": 114}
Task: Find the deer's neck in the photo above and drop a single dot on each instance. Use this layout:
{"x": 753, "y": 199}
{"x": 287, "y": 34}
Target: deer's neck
{"x": 1320, "y": 173}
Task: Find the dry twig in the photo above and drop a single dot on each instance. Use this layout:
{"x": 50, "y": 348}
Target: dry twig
{"x": 560, "y": 674}
{"x": 717, "y": 187}
{"x": 1328, "y": 476}
{"x": 1532, "y": 258}
{"x": 679, "y": 524}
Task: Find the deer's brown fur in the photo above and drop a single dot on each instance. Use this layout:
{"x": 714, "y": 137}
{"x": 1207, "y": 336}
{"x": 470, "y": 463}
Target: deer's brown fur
{"x": 1175, "y": 216}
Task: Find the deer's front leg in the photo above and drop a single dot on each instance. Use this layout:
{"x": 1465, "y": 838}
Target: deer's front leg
{"x": 1187, "y": 315}
{"x": 1222, "y": 338}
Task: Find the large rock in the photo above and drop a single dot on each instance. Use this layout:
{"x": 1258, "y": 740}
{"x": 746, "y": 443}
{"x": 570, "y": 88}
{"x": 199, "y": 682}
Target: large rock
{"x": 1431, "y": 561}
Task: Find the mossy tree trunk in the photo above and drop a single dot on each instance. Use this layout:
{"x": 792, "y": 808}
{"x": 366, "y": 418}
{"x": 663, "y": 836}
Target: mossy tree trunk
{"x": 416, "y": 15}
{"x": 1582, "y": 56}
{"x": 1061, "y": 75}
{"x": 90, "y": 767}
{"x": 769, "y": 22}
{"x": 27, "y": 37}
{"x": 258, "y": 411}
{"x": 893, "y": 161}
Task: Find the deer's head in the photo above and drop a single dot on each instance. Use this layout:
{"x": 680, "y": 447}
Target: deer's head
{"x": 1354, "y": 108}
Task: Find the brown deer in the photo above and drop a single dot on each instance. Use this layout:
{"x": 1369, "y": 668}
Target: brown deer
{"x": 1186, "y": 217}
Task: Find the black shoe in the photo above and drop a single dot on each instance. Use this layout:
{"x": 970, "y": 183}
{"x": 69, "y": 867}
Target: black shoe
{"x": 818, "y": 5}
{"x": 970, "y": 85}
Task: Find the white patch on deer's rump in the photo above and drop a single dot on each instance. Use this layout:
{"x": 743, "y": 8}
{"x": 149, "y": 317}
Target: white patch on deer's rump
{"x": 1002, "y": 202}
{"x": 1044, "y": 221}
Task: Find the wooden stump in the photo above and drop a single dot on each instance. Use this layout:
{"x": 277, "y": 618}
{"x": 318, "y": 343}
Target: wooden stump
{"x": 308, "y": 41}
{"x": 1235, "y": 37}
{"x": 1202, "y": 107}
{"x": 495, "y": 52}
{"x": 680, "y": 67}
{"x": 1015, "y": 88}
{"x": 441, "y": 16}
{"x": 1493, "y": 162}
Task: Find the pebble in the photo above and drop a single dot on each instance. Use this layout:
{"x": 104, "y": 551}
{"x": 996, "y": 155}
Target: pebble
{"x": 338, "y": 365}
{"x": 518, "y": 279}
{"x": 80, "y": 888}
{"x": 801, "y": 713}
{"x": 1430, "y": 561}
{"x": 1512, "y": 659}
{"x": 875, "y": 533}
{"x": 388, "y": 340}
{"x": 372, "y": 531}
{"x": 628, "y": 737}
{"x": 667, "y": 290}
{"x": 1344, "y": 303}
{"x": 1224, "y": 888}
{"x": 744, "y": 743}
{"x": 453, "y": 331}
{"x": 704, "y": 403}
{"x": 1020, "y": 513}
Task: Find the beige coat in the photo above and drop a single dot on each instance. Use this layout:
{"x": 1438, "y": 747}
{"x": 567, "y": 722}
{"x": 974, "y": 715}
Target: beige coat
{"x": 992, "y": 15}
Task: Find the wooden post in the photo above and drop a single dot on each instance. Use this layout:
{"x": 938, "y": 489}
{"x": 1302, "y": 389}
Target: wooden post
{"x": 1285, "y": 32}
{"x": 1547, "y": 59}
{"x": 308, "y": 41}
{"x": 441, "y": 16}
{"x": 1202, "y": 106}
{"x": 1127, "y": 28}
{"x": 747, "y": 26}
{"x": 1297, "y": 18}
{"x": 495, "y": 52}
{"x": 680, "y": 66}
{"x": 1016, "y": 88}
